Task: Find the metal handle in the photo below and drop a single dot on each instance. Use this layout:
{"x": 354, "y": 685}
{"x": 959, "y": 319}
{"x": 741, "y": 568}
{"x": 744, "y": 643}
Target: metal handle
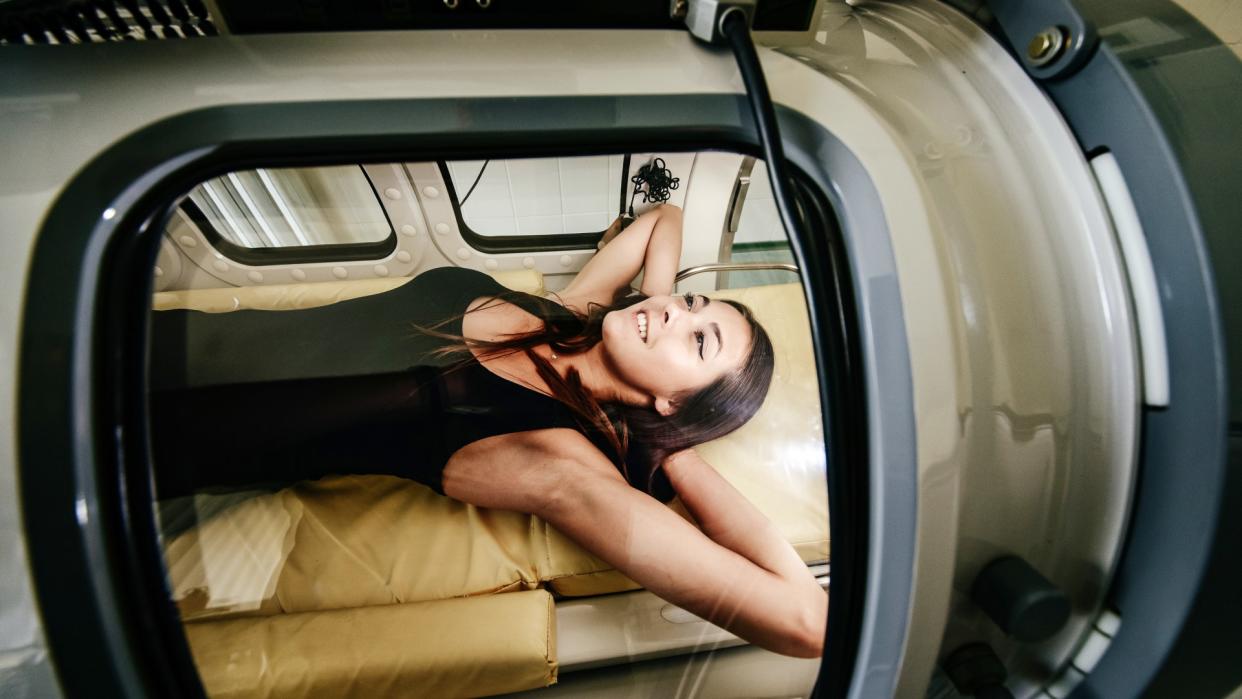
{"x": 733, "y": 267}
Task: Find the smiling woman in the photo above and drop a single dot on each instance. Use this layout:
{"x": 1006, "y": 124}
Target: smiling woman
{"x": 575, "y": 410}
{"x": 458, "y": 431}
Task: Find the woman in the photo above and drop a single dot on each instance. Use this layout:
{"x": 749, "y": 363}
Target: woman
{"x": 577, "y": 413}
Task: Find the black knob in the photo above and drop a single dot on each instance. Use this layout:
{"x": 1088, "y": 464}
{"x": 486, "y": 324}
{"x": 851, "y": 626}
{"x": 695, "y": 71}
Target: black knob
{"x": 975, "y": 671}
{"x": 1023, "y": 603}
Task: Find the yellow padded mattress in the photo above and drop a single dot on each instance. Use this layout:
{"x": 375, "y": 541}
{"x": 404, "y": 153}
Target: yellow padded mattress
{"x": 450, "y": 648}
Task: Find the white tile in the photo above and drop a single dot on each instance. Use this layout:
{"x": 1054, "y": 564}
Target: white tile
{"x": 492, "y": 226}
{"x": 586, "y": 223}
{"x": 760, "y": 186}
{"x": 540, "y": 225}
{"x": 536, "y": 186}
{"x": 458, "y": 170}
{"x": 584, "y": 184}
{"x": 760, "y": 223}
{"x": 488, "y": 203}
{"x": 493, "y": 187}
{"x": 615, "y": 163}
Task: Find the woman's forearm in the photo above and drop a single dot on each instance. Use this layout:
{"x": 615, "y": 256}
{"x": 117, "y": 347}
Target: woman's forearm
{"x": 729, "y": 519}
{"x": 665, "y": 554}
{"x": 651, "y": 244}
{"x": 663, "y": 251}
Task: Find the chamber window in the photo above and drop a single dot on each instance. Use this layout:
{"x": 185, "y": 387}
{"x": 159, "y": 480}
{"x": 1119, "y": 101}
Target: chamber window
{"x": 291, "y": 207}
{"x": 759, "y": 239}
{"x": 538, "y": 196}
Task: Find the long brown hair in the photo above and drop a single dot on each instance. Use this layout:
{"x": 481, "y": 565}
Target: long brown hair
{"x": 639, "y": 437}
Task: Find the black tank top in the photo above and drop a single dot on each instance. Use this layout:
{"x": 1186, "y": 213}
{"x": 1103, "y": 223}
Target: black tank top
{"x": 268, "y": 398}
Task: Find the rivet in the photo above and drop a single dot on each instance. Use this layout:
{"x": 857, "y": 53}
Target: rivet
{"x": 463, "y": 253}
{"x": 965, "y": 135}
{"x": 430, "y": 192}
{"x": 298, "y": 274}
{"x": 566, "y": 260}
{"x": 188, "y": 240}
{"x": 381, "y": 270}
{"x": 932, "y": 151}
{"x": 220, "y": 265}
{"x": 158, "y": 272}
{"x": 443, "y": 228}
{"x": 491, "y": 264}
{"x": 528, "y": 262}
{"x": 254, "y": 276}
{"x": 409, "y": 230}
{"x": 392, "y": 193}
{"x": 339, "y": 272}
{"x": 403, "y": 256}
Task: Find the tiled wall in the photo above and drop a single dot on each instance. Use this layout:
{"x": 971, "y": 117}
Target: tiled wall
{"x": 760, "y": 221}
{"x": 540, "y": 196}
{"x": 1224, "y": 17}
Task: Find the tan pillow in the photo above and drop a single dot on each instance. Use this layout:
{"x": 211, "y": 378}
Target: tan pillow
{"x": 449, "y": 648}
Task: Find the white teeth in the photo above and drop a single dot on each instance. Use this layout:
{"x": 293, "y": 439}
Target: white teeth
{"x": 642, "y": 325}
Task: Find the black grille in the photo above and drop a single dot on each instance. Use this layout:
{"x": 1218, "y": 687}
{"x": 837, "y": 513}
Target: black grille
{"x": 119, "y": 20}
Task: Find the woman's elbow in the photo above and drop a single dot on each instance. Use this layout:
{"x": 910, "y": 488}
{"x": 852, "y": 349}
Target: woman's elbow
{"x": 805, "y": 636}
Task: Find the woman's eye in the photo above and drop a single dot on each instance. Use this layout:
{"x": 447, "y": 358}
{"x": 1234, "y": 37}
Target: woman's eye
{"x": 689, "y": 297}
{"x": 698, "y": 337}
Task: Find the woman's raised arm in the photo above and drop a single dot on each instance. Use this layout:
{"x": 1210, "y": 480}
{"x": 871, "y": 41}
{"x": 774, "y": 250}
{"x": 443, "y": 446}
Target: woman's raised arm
{"x": 737, "y": 573}
{"x": 652, "y": 244}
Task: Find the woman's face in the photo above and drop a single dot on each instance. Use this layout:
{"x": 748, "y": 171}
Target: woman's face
{"x": 669, "y": 345}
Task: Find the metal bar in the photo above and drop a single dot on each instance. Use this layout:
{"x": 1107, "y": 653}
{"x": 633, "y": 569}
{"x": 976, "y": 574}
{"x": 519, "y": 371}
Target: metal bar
{"x": 273, "y": 240}
{"x": 733, "y": 267}
{"x": 274, "y": 192}
{"x": 741, "y": 186}
{"x": 234, "y": 226}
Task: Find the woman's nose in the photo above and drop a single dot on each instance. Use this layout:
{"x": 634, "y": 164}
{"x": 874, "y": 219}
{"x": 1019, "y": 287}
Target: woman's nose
{"x": 672, "y": 311}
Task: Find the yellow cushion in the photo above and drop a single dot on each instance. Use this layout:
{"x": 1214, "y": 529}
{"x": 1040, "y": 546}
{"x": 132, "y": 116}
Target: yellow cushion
{"x": 354, "y": 541}
{"x": 472, "y": 647}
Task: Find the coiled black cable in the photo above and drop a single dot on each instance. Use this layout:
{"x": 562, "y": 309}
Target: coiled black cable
{"x": 734, "y": 27}
{"x": 658, "y": 181}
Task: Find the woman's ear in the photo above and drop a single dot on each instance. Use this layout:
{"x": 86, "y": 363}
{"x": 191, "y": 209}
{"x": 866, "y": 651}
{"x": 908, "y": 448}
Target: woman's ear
{"x": 664, "y": 406}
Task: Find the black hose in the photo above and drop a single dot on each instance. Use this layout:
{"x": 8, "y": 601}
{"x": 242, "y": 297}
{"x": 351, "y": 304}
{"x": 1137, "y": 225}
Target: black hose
{"x": 736, "y": 31}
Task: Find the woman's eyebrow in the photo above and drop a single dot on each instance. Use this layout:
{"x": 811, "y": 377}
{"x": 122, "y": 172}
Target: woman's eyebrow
{"x": 706, "y": 301}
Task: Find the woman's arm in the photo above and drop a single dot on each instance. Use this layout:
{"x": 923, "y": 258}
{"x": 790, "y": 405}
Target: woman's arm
{"x": 652, "y": 244}
{"x": 729, "y": 519}
{"x": 558, "y": 475}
